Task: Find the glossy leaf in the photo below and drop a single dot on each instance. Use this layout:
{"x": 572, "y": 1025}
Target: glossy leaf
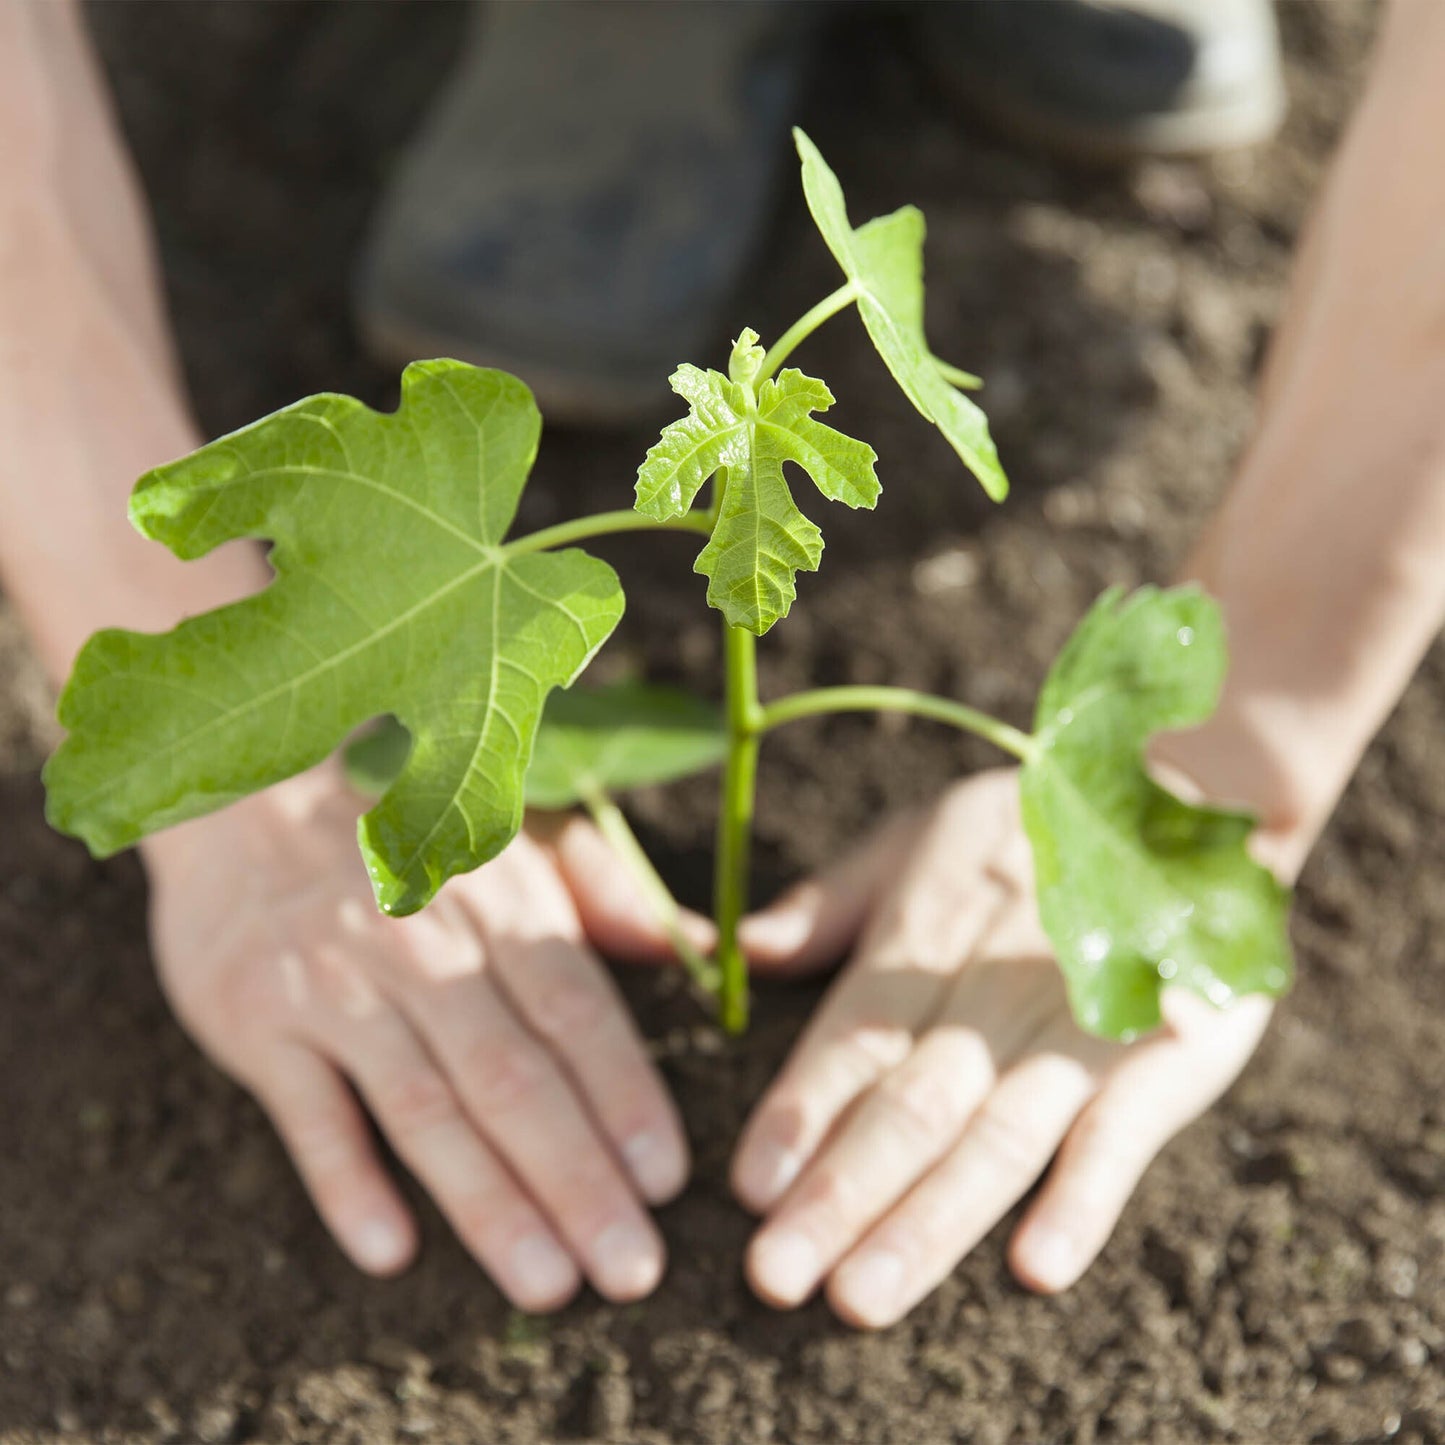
{"x": 395, "y": 592}
{"x": 597, "y": 742}
{"x": 884, "y": 262}
{"x": 592, "y": 742}
{"x": 1138, "y": 890}
{"x": 761, "y": 540}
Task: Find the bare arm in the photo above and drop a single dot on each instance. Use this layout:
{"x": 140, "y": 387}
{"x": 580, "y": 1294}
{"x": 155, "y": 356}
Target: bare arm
{"x": 89, "y": 396}
{"x": 1329, "y": 553}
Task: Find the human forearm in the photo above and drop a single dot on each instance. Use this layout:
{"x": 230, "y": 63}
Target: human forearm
{"x": 1329, "y": 554}
{"x": 88, "y": 395}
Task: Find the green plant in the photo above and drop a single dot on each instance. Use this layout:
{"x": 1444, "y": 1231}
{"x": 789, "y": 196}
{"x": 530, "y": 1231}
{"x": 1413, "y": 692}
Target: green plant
{"x": 399, "y": 594}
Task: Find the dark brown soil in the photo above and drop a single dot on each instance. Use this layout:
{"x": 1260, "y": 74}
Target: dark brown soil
{"x": 1280, "y": 1276}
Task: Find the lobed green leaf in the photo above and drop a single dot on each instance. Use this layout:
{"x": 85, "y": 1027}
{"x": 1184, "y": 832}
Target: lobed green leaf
{"x": 395, "y": 593}
{"x": 595, "y": 742}
{"x": 1137, "y": 889}
{"x": 592, "y": 742}
{"x": 761, "y": 540}
{"x": 884, "y": 261}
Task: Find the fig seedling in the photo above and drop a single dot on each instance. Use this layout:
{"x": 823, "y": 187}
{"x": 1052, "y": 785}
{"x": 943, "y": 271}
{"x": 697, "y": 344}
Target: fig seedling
{"x": 400, "y": 592}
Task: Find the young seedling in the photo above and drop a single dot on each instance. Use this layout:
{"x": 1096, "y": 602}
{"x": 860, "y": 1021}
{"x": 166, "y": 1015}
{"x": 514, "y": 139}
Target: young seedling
{"x": 400, "y": 593}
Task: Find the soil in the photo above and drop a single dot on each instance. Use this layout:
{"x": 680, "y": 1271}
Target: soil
{"x": 1280, "y": 1275}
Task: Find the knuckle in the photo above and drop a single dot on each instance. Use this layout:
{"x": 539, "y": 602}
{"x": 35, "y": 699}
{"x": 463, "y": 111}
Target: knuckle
{"x": 570, "y": 1008}
{"x": 325, "y": 1140}
{"x": 417, "y": 1100}
{"x": 923, "y": 1105}
{"x": 875, "y": 1048}
{"x": 1015, "y": 1143}
{"x": 500, "y": 1074}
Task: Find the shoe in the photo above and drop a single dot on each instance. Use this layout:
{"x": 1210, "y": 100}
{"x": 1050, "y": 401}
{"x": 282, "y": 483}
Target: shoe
{"x": 1113, "y": 79}
{"x": 582, "y": 200}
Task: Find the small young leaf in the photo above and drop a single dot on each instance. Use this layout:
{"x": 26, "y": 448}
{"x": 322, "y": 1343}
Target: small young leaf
{"x": 394, "y": 593}
{"x": 884, "y": 261}
{"x": 1136, "y": 889}
{"x": 760, "y": 544}
{"x": 762, "y": 540}
{"x": 603, "y": 741}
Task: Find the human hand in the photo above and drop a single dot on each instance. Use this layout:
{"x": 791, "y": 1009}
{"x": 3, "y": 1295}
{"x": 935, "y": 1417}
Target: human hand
{"x": 944, "y": 1070}
{"x": 484, "y": 1037}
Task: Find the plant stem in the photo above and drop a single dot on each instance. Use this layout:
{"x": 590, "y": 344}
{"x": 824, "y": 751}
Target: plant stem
{"x": 898, "y": 699}
{"x": 613, "y": 825}
{"x": 735, "y": 822}
{"x": 602, "y": 523}
{"x": 804, "y": 327}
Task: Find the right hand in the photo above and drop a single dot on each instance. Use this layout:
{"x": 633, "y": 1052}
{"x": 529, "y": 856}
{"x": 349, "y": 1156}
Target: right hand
{"x": 483, "y": 1035}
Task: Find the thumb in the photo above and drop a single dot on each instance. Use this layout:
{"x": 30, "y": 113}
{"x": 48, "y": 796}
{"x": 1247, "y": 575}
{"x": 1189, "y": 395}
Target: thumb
{"x": 813, "y": 924}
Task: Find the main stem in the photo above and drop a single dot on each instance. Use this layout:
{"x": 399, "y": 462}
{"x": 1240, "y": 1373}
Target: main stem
{"x": 735, "y": 823}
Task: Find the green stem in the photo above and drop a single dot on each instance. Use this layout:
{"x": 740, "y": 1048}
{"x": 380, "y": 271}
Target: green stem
{"x": 735, "y": 822}
{"x": 613, "y": 826}
{"x": 898, "y": 699}
{"x": 804, "y": 327}
{"x": 600, "y": 524}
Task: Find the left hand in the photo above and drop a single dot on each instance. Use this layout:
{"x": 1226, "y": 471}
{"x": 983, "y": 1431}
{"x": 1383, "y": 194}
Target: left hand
{"x": 944, "y": 1071}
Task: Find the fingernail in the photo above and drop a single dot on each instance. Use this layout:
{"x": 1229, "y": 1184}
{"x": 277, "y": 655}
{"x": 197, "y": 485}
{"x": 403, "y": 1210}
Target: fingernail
{"x": 766, "y": 1172}
{"x": 786, "y": 1265}
{"x": 1052, "y": 1258}
{"x": 871, "y": 1286}
{"x": 778, "y": 933}
{"x": 656, "y": 1164}
{"x": 627, "y": 1261}
{"x": 541, "y": 1271}
{"x": 379, "y": 1245}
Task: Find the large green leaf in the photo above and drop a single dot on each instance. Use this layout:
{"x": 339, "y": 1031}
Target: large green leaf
{"x": 1136, "y": 889}
{"x": 884, "y": 261}
{"x": 597, "y": 742}
{"x": 743, "y": 436}
{"x": 592, "y": 742}
{"x": 395, "y": 592}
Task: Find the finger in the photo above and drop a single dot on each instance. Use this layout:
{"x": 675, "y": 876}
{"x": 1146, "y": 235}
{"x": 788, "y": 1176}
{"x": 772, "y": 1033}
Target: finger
{"x": 1004, "y": 1149}
{"x": 329, "y": 1141}
{"x": 568, "y": 999}
{"x": 813, "y": 924}
{"x": 1158, "y": 1089}
{"x": 615, "y": 911}
{"x": 898, "y": 1130}
{"x": 420, "y": 1114}
{"x": 515, "y": 1094}
{"x": 922, "y": 934}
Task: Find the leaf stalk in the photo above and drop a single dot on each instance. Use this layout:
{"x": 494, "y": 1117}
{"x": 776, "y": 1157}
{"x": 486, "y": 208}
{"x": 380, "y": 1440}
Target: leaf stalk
{"x": 804, "y": 327}
{"x": 818, "y": 701}
{"x": 601, "y": 524}
{"x": 613, "y": 825}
